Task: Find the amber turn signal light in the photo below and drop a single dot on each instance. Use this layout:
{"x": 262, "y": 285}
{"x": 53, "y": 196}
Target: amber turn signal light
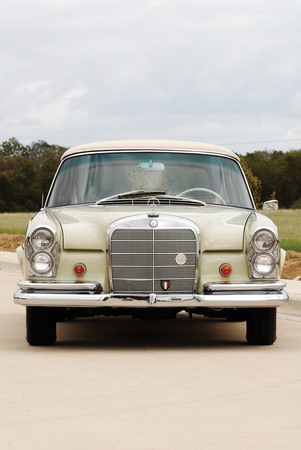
{"x": 225, "y": 270}
{"x": 79, "y": 269}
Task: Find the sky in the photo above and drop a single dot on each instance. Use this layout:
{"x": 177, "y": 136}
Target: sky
{"x": 225, "y": 72}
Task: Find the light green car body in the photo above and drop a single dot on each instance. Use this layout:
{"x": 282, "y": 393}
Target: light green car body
{"x": 224, "y": 235}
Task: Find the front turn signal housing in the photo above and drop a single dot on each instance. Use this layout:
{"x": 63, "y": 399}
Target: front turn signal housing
{"x": 225, "y": 270}
{"x": 79, "y": 269}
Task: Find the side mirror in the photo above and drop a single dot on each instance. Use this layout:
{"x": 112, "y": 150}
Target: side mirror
{"x": 270, "y": 206}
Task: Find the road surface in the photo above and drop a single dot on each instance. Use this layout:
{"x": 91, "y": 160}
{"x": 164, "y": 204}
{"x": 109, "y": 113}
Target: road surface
{"x": 119, "y": 383}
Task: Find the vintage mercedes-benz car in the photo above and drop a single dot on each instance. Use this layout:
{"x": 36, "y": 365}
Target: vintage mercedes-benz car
{"x": 149, "y": 229}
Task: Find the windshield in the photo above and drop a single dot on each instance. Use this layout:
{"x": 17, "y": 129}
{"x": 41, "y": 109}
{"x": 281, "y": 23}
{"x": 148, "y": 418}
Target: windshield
{"x": 91, "y": 177}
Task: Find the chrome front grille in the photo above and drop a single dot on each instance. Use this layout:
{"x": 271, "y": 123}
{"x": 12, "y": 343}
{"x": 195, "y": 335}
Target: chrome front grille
{"x": 141, "y": 260}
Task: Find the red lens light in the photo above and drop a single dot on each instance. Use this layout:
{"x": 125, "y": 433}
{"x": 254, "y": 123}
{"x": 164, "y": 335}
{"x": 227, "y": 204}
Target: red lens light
{"x": 225, "y": 270}
{"x": 79, "y": 269}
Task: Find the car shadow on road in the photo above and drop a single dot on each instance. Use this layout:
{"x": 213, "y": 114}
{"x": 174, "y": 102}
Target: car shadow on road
{"x": 126, "y": 333}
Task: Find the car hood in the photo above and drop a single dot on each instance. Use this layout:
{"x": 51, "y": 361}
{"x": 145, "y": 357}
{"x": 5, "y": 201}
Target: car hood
{"x": 84, "y": 227}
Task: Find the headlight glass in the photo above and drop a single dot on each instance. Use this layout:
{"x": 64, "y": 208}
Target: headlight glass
{"x": 264, "y": 240}
{"x": 42, "y": 238}
{"x": 41, "y": 263}
{"x": 264, "y": 264}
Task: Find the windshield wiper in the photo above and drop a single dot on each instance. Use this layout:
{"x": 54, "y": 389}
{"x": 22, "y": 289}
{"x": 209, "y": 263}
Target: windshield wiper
{"x": 130, "y": 194}
{"x": 184, "y": 199}
{"x": 158, "y": 194}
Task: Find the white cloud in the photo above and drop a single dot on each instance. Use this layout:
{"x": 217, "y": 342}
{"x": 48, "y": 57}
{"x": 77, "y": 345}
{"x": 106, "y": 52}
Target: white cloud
{"x": 75, "y": 71}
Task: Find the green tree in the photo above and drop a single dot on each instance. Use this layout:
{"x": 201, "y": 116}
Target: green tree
{"x": 10, "y": 148}
{"x": 26, "y": 173}
{"x": 16, "y": 185}
{"x": 254, "y": 182}
{"x": 279, "y": 173}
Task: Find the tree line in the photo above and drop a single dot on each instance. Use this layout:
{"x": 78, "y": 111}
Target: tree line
{"x": 275, "y": 175}
{"x": 26, "y": 172}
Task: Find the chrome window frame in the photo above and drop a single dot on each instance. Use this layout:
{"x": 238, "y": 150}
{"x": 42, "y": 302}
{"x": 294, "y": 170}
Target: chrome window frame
{"x": 147, "y": 150}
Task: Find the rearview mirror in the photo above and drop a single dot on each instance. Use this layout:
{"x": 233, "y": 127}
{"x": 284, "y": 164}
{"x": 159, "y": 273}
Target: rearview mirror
{"x": 151, "y": 166}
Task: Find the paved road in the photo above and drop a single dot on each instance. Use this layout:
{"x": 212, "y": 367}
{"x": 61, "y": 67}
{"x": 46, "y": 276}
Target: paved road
{"x": 118, "y": 383}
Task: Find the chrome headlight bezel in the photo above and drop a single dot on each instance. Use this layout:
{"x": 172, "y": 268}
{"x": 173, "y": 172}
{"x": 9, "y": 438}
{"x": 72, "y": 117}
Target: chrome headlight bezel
{"x": 256, "y": 264}
{"x": 257, "y": 239}
{"x": 263, "y": 242}
{"x": 34, "y": 262}
{"x": 40, "y": 244}
{"x": 50, "y": 248}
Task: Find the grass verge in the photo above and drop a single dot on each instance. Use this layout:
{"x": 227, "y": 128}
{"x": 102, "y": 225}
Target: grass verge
{"x": 291, "y": 244}
{"x": 288, "y": 222}
{"x": 14, "y": 223}
{"x": 10, "y": 242}
{"x": 292, "y": 265}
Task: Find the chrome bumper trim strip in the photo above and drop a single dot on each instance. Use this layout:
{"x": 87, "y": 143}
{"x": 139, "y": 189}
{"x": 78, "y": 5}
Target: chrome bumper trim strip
{"x": 247, "y": 286}
{"x": 62, "y": 286}
{"x": 240, "y": 299}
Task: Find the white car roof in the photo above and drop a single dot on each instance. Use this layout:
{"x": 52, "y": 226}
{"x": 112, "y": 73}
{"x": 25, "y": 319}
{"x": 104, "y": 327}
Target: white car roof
{"x": 145, "y": 144}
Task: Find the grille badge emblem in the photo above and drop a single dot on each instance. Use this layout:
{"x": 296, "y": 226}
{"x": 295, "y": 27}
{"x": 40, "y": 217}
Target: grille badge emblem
{"x": 181, "y": 259}
{"x": 165, "y": 285}
{"x": 153, "y": 223}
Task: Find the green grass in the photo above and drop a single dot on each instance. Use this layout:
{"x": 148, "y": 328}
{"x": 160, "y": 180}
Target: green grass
{"x": 14, "y": 223}
{"x": 288, "y": 222}
{"x": 291, "y": 244}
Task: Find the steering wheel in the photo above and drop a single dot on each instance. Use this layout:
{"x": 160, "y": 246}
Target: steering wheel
{"x": 188, "y": 191}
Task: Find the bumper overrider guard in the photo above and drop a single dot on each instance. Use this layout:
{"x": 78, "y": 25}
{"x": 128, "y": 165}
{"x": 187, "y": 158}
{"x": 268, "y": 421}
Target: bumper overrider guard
{"x": 89, "y": 294}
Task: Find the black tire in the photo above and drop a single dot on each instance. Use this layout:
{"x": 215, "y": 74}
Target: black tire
{"x": 40, "y": 325}
{"x": 261, "y": 326}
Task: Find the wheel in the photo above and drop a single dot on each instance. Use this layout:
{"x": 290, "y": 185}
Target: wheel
{"x": 261, "y": 326}
{"x": 40, "y": 325}
{"x": 189, "y": 191}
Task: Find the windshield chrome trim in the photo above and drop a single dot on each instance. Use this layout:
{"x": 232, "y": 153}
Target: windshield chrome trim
{"x": 147, "y": 150}
{"x": 150, "y": 149}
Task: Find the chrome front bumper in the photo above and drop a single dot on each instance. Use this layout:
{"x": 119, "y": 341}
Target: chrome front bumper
{"x": 88, "y": 294}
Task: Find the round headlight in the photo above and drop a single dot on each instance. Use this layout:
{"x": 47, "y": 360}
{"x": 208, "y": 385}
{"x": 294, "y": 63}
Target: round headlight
{"x": 264, "y": 264}
{"x": 41, "y": 263}
{"x": 42, "y": 238}
{"x": 264, "y": 240}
